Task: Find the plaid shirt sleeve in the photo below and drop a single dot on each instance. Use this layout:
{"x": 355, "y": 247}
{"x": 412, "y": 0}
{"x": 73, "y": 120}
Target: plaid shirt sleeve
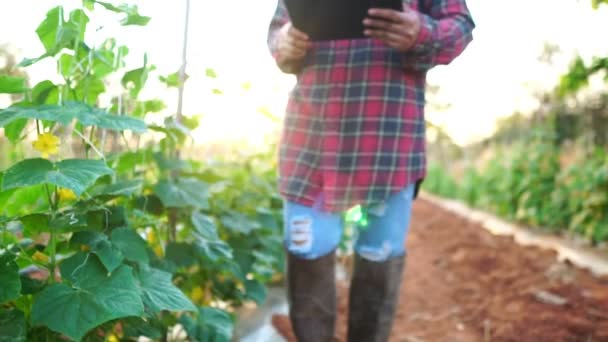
{"x": 279, "y": 19}
{"x": 446, "y": 29}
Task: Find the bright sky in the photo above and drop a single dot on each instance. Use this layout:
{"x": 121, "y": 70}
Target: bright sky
{"x": 493, "y": 78}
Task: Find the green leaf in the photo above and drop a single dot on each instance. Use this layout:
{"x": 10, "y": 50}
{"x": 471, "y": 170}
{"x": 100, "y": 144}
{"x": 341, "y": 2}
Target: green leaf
{"x": 168, "y": 164}
{"x": 106, "y": 60}
{"x": 93, "y": 299}
{"x": 159, "y": 293}
{"x": 150, "y": 106}
{"x": 74, "y": 174}
{"x": 31, "y": 286}
{"x": 89, "y": 90}
{"x": 89, "y": 4}
{"x": 181, "y": 254}
{"x": 123, "y": 188}
{"x": 171, "y": 81}
{"x": 266, "y": 219}
{"x": 14, "y": 129}
{"x": 70, "y": 266}
{"x": 255, "y": 291}
{"x": 211, "y": 176}
{"x": 149, "y": 204}
{"x": 16, "y": 202}
{"x": 213, "y": 250}
{"x": 12, "y": 326}
{"x": 64, "y": 64}
{"x": 136, "y": 327}
{"x": 208, "y": 243}
{"x": 133, "y": 17}
{"x": 26, "y": 62}
{"x": 210, "y": 73}
{"x": 176, "y": 136}
{"x": 211, "y": 325}
{"x": 12, "y": 85}
{"x": 47, "y": 30}
{"x": 204, "y": 226}
{"x": 45, "y": 92}
{"x": 34, "y": 224}
{"x": 118, "y": 217}
{"x": 9, "y": 278}
{"x": 132, "y": 246}
{"x": 129, "y": 161}
{"x": 191, "y": 122}
{"x": 5, "y": 197}
{"x": 110, "y": 256}
{"x": 78, "y": 21}
{"x": 239, "y": 223}
{"x": 135, "y": 80}
{"x": 83, "y": 113}
{"x": 56, "y": 34}
{"x": 72, "y": 221}
{"x": 183, "y": 193}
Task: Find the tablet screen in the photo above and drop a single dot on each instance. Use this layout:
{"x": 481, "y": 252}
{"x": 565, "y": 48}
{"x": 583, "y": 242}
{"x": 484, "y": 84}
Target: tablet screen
{"x": 334, "y": 19}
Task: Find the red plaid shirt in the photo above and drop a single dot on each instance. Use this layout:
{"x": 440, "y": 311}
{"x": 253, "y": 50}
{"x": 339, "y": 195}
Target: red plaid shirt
{"x": 354, "y": 130}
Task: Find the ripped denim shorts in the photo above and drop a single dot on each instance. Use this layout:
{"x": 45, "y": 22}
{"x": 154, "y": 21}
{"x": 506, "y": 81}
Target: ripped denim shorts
{"x": 310, "y": 233}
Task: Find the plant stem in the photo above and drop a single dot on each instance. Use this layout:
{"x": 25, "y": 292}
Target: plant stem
{"x": 172, "y": 233}
{"x": 90, "y": 143}
{"x": 53, "y": 241}
{"x": 2, "y": 232}
{"x": 91, "y": 133}
{"x": 124, "y": 139}
{"x": 53, "y": 252}
{"x": 182, "y": 70}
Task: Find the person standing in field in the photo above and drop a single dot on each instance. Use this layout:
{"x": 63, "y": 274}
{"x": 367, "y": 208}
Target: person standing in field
{"x": 354, "y": 134}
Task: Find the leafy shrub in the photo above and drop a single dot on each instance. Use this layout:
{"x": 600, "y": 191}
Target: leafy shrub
{"x": 529, "y": 186}
{"x": 107, "y": 246}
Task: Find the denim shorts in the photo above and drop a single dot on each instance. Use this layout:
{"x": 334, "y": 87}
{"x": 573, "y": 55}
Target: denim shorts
{"x": 310, "y": 233}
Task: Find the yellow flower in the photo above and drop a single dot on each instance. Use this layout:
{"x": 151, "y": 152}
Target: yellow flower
{"x": 47, "y": 144}
{"x": 40, "y": 257}
{"x": 197, "y": 295}
{"x": 113, "y": 338}
{"x": 158, "y": 250}
{"x": 66, "y": 194}
{"x": 152, "y": 237}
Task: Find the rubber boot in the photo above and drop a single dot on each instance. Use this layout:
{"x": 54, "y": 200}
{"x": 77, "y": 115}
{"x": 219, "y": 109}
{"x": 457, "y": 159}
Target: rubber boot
{"x": 311, "y": 291}
{"x": 374, "y": 295}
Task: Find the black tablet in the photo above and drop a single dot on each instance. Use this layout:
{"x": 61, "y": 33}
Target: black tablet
{"x": 334, "y": 19}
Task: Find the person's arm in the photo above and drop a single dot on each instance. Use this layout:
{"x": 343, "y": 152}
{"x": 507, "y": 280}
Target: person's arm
{"x": 287, "y": 45}
{"x": 445, "y": 32}
{"x": 435, "y": 35}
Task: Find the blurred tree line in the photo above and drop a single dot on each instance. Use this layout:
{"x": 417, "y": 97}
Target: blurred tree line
{"x": 564, "y": 112}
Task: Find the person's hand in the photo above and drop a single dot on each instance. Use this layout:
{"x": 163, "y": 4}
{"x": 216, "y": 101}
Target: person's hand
{"x": 293, "y": 43}
{"x": 396, "y": 29}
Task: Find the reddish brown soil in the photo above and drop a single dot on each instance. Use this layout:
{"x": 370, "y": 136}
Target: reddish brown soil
{"x": 465, "y": 284}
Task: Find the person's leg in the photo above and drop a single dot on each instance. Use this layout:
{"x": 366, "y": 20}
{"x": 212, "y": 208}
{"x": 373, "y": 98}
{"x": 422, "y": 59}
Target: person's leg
{"x": 379, "y": 262}
{"x": 311, "y": 238}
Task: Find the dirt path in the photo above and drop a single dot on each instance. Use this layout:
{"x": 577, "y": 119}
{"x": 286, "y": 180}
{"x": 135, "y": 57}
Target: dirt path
{"x": 465, "y": 284}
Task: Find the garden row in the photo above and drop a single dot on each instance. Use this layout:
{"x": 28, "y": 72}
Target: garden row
{"x": 535, "y": 182}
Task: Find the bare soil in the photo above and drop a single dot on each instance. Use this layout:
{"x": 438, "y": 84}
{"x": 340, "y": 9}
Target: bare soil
{"x": 464, "y": 284}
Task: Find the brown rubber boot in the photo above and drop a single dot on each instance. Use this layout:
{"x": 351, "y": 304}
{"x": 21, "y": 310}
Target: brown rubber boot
{"x": 311, "y": 291}
{"x": 374, "y": 295}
